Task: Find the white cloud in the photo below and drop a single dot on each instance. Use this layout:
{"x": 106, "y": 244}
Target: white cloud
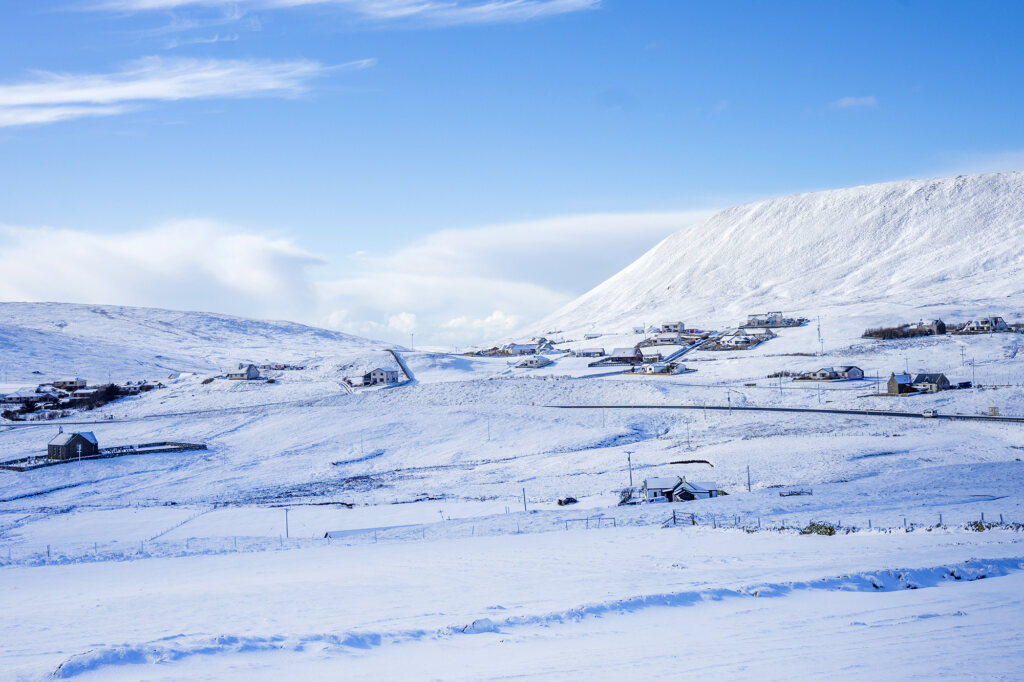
{"x": 453, "y": 287}
{"x": 425, "y": 12}
{"x": 869, "y": 102}
{"x": 197, "y": 265}
{"x": 49, "y": 96}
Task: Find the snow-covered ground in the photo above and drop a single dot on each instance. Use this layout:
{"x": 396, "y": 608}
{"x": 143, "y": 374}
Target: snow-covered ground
{"x": 329, "y": 532}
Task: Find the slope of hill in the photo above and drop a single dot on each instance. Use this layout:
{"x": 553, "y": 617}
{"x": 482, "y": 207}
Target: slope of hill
{"x": 94, "y": 341}
{"x": 912, "y": 244}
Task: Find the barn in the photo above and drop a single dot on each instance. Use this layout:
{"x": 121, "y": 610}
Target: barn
{"x": 72, "y": 445}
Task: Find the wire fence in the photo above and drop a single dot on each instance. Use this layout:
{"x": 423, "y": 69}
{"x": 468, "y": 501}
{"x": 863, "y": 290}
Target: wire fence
{"x": 651, "y": 515}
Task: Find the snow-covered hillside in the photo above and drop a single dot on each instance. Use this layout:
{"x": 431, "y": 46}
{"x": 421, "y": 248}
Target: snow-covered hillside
{"x": 119, "y": 342}
{"x": 886, "y": 251}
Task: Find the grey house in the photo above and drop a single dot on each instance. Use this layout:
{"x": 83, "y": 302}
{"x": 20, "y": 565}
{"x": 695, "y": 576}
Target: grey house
{"x": 245, "y": 373}
{"x": 72, "y": 445}
{"x": 930, "y": 383}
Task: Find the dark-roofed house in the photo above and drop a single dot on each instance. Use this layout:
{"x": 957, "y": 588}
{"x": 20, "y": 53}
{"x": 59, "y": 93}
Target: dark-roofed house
{"x": 930, "y": 383}
{"x": 900, "y": 384}
{"x": 630, "y": 355}
{"x": 72, "y": 445}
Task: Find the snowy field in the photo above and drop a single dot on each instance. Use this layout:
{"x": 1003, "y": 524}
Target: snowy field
{"x": 338, "y": 532}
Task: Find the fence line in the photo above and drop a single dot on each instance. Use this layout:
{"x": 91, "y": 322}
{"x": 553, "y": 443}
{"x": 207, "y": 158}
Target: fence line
{"x": 496, "y": 526}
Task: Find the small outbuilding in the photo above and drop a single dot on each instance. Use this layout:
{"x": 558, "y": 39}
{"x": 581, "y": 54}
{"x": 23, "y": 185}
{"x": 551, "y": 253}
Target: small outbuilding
{"x": 72, "y": 445}
{"x": 591, "y": 353}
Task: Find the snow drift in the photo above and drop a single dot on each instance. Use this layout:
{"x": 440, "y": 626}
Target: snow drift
{"x": 914, "y": 243}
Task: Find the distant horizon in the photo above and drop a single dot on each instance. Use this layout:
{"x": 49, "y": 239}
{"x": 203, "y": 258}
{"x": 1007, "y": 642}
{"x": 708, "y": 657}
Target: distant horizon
{"x": 455, "y": 170}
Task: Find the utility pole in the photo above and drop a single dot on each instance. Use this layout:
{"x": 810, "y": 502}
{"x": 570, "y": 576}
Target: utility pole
{"x": 974, "y": 379}
{"x": 629, "y": 463}
{"x": 412, "y": 340}
{"x": 688, "y": 446}
{"x": 820, "y": 342}
{"x": 524, "y": 499}
{"x": 286, "y": 534}
{"x": 748, "y": 478}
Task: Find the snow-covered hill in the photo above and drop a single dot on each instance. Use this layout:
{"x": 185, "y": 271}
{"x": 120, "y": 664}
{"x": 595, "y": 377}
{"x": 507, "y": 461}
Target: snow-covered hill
{"x": 886, "y": 251}
{"x": 97, "y": 341}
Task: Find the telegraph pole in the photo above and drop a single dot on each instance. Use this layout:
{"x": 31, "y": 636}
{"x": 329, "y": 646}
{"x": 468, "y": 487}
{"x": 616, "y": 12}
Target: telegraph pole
{"x": 286, "y": 534}
{"x": 629, "y": 463}
{"x": 748, "y": 478}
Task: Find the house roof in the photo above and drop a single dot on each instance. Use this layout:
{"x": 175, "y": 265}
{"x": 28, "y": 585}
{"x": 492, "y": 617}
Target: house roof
{"x": 65, "y": 438}
{"x": 624, "y": 352}
{"x": 901, "y": 378}
{"x": 701, "y": 485}
{"x": 933, "y": 378}
{"x": 662, "y": 483}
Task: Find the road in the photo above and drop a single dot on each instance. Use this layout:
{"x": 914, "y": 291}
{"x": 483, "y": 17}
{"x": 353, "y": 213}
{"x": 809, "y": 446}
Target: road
{"x": 814, "y": 410}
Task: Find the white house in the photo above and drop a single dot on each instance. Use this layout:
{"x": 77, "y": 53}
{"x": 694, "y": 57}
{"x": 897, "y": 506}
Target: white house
{"x": 986, "y": 324}
{"x": 678, "y": 489}
{"x": 519, "y": 348}
{"x": 244, "y": 373}
{"x": 656, "y": 368}
{"x": 590, "y": 353}
{"x": 533, "y": 362}
{"x": 380, "y": 376}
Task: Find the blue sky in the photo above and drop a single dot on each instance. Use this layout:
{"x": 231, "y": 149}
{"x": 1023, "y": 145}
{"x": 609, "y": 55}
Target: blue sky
{"x": 457, "y": 167}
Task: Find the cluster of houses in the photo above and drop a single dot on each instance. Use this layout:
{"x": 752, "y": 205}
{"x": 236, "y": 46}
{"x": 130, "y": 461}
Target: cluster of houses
{"x": 980, "y": 325}
{"x": 69, "y": 393}
{"x": 932, "y": 382}
{"x": 772, "y": 320}
{"x": 744, "y": 338}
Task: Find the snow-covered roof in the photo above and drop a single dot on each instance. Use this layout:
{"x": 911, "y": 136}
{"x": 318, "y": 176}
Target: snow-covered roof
{"x": 902, "y": 378}
{"x": 662, "y": 483}
{"x": 65, "y": 438}
{"x": 623, "y": 352}
{"x": 702, "y": 485}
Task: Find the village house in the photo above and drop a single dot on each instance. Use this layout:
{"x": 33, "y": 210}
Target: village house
{"x": 985, "y": 325}
{"x": 899, "y": 384}
{"x": 656, "y": 368}
{"x": 590, "y": 353}
{"x": 245, "y": 372}
{"x": 933, "y": 328}
{"x": 650, "y": 354}
{"x": 845, "y": 372}
{"x": 84, "y": 393}
{"x": 380, "y": 376}
{"x": 519, "y": 348}
{"x": 672, "y": 328}
{"x": 678, "y": 489}
{"x": 69, "y": 385}
{"x": 773, "y": 319}
{"x": 72, "y": 445}
{"x": 26, "y": 395}
{"x": 930, "y": 383}
{"x": 533, "y": 362}
{"x": 630, "y": 356}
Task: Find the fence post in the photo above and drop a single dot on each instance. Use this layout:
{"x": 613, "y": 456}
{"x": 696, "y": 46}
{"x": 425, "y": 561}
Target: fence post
{"x": 940, "y": 519}
{"x": 983, "y": 517}
{"x": 693, "y": 520}
{"x": 759, "y": 523}
{"x": 1000, "y": 519}
{"x": 47, "y": 552}
{"x": 673, "y": 517}
{"x": 869, "y": 524}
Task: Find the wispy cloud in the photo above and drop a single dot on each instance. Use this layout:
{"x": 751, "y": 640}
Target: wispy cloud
{"x": 453, "y": 287}
{"x": 200, "y": 40}
{"x": 49, "y": 96}
{"x": 425, "y": 12}
{"x": 869, "y": 102}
